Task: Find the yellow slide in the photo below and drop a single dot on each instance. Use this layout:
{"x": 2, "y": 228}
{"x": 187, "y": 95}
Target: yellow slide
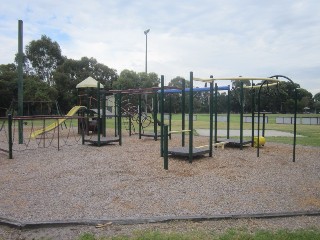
{"x": 52, "y": 126}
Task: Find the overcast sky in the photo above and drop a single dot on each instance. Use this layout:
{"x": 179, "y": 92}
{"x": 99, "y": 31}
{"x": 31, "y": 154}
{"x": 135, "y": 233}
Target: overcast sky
{"x": 224, "y": 38}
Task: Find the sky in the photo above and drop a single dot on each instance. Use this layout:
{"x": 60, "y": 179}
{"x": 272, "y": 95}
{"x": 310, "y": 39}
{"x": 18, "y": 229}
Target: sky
{"x": 223, "y": 38}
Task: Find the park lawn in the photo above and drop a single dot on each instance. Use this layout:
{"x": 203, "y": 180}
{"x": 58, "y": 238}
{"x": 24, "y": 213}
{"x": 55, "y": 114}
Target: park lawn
{"x": 230, "y": 234}
{"x": 310, "y": 133}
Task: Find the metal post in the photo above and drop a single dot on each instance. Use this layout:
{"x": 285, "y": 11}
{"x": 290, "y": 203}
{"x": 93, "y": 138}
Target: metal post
{"x": 115, "y": 114}
{"x": 44, "y": 133}
{"x": 140, "y": 111}
{"x": 155, "y": 117}
{"x": 228, "y": 114}
{"x": 183, "y": 111}
{"x": 104, "y": 114}
{"x": 191, "y": 119}
{"x": 99, "y": 116}
{"x": 241, "y": 115}
{"x": 211, "y": 120}
{"x": 119, "y": 119}
{"x": 295, "y": 126}
{"x": 10, "y": 135}
{"x": 263, "y": 123}
{"x": 165, "y": 148}
{"x": 170, "y": 115}
{"x": 82, "y": 127}
{"x": 162, "y": 116}
{"x": 146, "y": 33}
{"x": 258, "y": 137}
{"x": 130, "y": 122}
{"x": 20, "y": 79}
{"x": 252, "y": 116}
{"x": 215, "y": 112}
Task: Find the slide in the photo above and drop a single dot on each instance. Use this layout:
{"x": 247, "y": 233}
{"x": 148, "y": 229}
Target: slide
{"x": 52, "y": 126}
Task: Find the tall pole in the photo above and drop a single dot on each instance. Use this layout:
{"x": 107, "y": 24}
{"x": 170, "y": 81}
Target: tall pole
{"x": 146, "y": 33}
{"x": 20, "y": 78}
{"x": 145, "y": 96}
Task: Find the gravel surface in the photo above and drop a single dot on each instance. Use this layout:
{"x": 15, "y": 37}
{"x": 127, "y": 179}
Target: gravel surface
{"x": 128, "y": 181}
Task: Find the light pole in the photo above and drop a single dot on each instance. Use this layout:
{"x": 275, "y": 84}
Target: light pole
{"x": 145, "y": 96}
{"x": 146, "y": 33}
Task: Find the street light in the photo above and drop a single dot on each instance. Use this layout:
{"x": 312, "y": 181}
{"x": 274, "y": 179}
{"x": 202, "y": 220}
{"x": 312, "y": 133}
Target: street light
{"x": 146, "y": 33}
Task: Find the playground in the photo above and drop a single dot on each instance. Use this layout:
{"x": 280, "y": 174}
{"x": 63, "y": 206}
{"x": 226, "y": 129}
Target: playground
{"x": 81, "y": 182}
{"x": 63, "y": 174}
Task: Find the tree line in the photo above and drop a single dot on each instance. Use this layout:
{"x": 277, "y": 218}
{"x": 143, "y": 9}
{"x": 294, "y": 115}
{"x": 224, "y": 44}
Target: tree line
{"x": 50, "y": 77}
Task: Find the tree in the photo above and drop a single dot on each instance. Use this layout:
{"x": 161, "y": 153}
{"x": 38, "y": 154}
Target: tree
{"x": 176, "y": 98}
{"x": 129, "y": 79}
{"x": 235, "y": 95}
{"x": 72, "y": 72}
{"x": 44, "y": 56}
{"x": 8, "y": 86}
{"x": 316, "y": 102}
{"x": 317, "y": 97}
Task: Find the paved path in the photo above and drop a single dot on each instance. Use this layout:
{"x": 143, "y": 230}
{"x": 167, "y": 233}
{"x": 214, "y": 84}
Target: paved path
{"x": 234, "y": 133}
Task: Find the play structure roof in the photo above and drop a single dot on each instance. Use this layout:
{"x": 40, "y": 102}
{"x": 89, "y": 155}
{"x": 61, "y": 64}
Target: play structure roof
{"x": 89, "y": 83}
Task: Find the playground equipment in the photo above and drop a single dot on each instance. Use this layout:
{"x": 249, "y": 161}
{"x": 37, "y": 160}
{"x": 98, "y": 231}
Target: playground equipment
{"x": 271, "y": 81}
{"x": 54, "y": 125}
{"x": 96, "y": 114}
{"x": 133, "y": 114}
{"x": 191, "y": 152}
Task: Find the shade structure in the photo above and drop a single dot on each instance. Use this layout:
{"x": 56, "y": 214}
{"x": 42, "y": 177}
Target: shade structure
{"x": 89, "y": 82}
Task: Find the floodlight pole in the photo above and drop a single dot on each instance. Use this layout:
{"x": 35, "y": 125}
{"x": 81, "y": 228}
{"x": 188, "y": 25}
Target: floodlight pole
{"x": 20, "y": 79}
{"x": 146, "y": 33}
{"x": 145, "y": 96}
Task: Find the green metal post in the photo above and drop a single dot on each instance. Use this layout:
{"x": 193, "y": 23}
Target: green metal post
{"x": 258, "y": 139}
{"x": 228, "y": 114}
{"x": 10, "y": 135}
{"x": 183, "y": 111}
{"x": 162, "y": 115}
{"x": 241, "y": 115}
{"x": 119, "y": 119}
{"x": 165, "y": 149}
{"x": 104, "y": 113}
{"x": 130, "y": 122}
{"x": 215, "y": 112}
{"x": 155, "y": 117}
{"x": 82, "y": 129}
{"x": 99, "y": 116}
{"x": 20, "y": 79}
{"x": 252, "y": 116}
{"x": 140, "y": 112}
{"x": 295, "y": 125}
{"x": 88, "y": 110}
{"x": 115, "y": 114}
{"x": 170, "y": 115}
{"x": 211, "y": 120}
{"x": 191, "y": 119}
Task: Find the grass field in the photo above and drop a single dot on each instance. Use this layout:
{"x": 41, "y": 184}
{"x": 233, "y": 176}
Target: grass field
{"x": 231, "y": 234}
{"x": 310, "y": 133}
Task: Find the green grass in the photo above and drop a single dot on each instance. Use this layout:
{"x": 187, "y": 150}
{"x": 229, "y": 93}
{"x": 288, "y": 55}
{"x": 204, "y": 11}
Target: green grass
{"x": 231, "y": 234}
{"x": 310, "y": 133}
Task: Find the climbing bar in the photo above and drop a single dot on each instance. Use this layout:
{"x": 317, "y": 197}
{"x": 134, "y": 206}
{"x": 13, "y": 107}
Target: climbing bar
{"x": 237, "y": 79}
{"x": 180, "y": 131}
{"x": 258, "y": 86}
